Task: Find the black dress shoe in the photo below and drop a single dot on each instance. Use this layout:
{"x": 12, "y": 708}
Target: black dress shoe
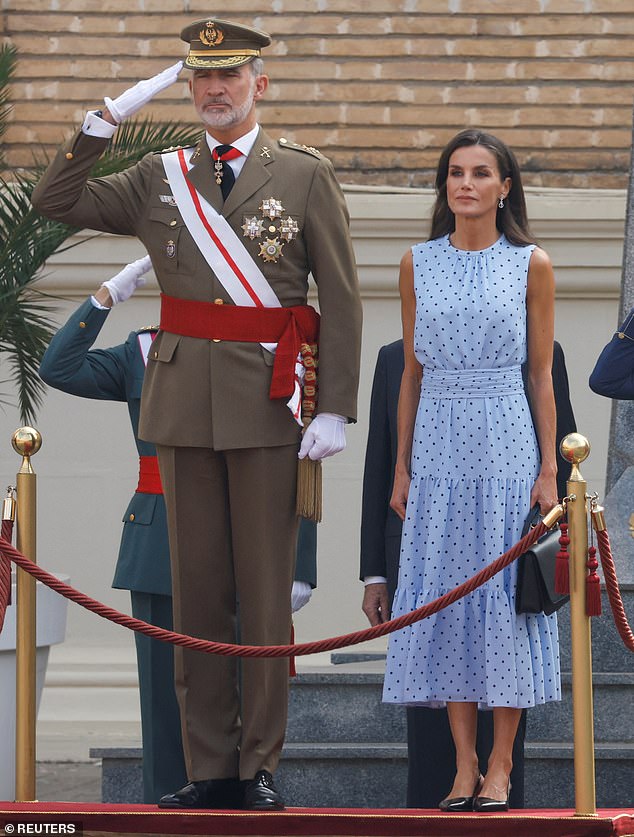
{"x": 208, "y": 793}
{"x": 458, "y": 804}
{"x": 485, "y": 804}
{"x": 260, "y": 793}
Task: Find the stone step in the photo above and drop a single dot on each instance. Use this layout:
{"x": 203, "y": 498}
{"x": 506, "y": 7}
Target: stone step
{"x": 345, "y": 704}
{"x": 613, "y": 700}
{"x": 374, "y": 775}
{"x": 608, "y": 650}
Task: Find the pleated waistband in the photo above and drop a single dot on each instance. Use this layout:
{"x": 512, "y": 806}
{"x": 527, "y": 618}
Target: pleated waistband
{"x": 472, "y": 383}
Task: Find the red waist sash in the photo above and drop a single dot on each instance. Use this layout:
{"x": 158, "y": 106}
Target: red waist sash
{"x": 149, "y": 477}
{"x": 288, "y": 327}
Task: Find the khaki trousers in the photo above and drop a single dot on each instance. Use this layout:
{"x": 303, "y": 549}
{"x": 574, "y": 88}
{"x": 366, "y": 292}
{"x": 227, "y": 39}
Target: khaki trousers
{"x": 232, "y": 532}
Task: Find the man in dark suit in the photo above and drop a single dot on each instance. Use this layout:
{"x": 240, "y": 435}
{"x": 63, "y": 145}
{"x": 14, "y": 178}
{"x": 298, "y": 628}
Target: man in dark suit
{"x": 143, "y": 566}
{"x": 431, "y": 753}
{"x": 613, "y": 374}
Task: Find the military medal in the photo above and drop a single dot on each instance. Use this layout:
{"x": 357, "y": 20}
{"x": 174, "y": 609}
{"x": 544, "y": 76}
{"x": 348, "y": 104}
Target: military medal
{"x": 271, "y": 249}
{"x": 280, "y": 228}
{"x": 253, "y": 227}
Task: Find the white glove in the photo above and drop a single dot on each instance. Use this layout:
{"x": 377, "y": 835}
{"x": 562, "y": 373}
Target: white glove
{"x": 125, "y": 283}
{"x": 324, "y": 436}
{"x": 300, "y": 595}
{"x": 133, "y": 99}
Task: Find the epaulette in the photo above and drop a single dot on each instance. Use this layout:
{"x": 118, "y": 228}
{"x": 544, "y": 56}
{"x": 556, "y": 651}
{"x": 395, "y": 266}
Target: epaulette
{"x": 307, "y": 149}
{"x": 147, "y": 328}
{"x": 172, "y": 148}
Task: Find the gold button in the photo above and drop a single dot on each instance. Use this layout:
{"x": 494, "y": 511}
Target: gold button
{"x": 131, "y": 517}
{"x": 69, "y": 155}
{"x": 173, "y": 223}
{"x": 155, "y": 355}
{"x": 216, "y": 340}
{"x": 82, "y": 325}
{"x": 283, "y": 140}
{"x": 219, "y": 301}
{"x": 272, "y": 229}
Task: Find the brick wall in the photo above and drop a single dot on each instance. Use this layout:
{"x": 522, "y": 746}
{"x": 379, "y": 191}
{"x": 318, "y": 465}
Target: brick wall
{"x": 378, "y": 85}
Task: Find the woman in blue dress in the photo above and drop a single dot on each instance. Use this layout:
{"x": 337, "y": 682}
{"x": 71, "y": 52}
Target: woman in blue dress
{"x": 477, "y": 298}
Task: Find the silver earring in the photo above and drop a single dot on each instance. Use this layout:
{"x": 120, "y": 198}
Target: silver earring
{"x": 501, "y": 202}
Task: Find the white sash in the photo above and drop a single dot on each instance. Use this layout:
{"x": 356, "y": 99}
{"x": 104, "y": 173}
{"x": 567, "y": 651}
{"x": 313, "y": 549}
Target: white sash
{"x": 146, "y": 338}
{"x": 224, "y": 252}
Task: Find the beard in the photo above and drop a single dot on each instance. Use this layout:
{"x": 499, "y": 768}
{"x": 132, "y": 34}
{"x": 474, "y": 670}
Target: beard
{"x": 235, "y": 115}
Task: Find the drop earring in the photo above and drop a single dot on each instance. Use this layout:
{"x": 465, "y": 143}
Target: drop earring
{"x": 501, "y": 202}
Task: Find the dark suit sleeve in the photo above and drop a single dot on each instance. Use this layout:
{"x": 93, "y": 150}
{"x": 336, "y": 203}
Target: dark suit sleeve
{"x": 565, "y": 416}
{"x": 613, "y": 374}
{"x": 69, "y": 365}
{"x": 377, "y": 477}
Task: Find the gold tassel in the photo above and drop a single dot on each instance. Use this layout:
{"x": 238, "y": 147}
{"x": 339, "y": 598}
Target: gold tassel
{"x": 309, "y": 493}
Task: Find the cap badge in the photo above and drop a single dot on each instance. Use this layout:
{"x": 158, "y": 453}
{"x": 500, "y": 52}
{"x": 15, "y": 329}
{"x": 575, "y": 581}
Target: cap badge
{"x": 211, "y": 35}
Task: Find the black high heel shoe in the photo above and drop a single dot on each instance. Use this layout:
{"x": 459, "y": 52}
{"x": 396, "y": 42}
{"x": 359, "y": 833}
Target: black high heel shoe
{"x": 487, "y": 805}
{"x": 458, "y": 804}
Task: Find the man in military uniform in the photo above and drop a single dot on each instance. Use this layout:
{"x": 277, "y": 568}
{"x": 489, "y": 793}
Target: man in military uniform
{"x": 234, "y": 228}
{"x": 143, "y": 566}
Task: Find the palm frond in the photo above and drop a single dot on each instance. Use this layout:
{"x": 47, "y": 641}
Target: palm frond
{"x": 27, "y": 240}
{"x": 136, "y": 138}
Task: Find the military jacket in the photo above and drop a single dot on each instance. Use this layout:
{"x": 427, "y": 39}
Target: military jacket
{"x": 116, "y": 374}
{"x": 216, "y": 394}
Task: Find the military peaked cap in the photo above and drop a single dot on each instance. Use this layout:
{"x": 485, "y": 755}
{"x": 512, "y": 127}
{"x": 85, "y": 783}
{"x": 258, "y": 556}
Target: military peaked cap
{"x": 215, "y": 43}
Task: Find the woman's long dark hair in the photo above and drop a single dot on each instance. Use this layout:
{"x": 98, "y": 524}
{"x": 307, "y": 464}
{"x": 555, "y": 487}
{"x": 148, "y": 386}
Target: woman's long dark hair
{"x": 512, "y": 219}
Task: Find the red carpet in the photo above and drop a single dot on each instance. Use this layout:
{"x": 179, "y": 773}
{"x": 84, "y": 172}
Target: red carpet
{"x": 102, "y": 819}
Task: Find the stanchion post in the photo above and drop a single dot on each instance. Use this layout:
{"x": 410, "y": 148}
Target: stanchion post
{"x": 575, "y": 448}
{"x": 26, "y": 441}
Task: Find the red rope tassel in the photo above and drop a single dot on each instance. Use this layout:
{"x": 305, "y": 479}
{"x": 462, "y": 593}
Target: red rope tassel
{"x": 562, "y": 570}
{"x": 5, "y": 573}
{"x": 593, "y": 585}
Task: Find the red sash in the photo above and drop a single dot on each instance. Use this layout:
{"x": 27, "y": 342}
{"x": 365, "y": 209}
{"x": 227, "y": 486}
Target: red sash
{"x": 288, "y": 327}
{"x": 149, "y": 477}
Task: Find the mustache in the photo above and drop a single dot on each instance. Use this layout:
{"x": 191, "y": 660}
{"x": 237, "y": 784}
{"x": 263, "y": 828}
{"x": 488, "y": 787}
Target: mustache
{"x": 216, "y": 100}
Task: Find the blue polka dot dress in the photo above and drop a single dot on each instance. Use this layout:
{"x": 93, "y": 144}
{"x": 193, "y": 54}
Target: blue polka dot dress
{"x": 474, "y": 462}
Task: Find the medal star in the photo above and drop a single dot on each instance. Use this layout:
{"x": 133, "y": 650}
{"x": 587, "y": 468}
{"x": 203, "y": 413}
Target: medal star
{"x": 271, "y": 249}
{"x": 271, "y": 208}
{"x": 288, "y": 229}
{"x": 253, "y": 227}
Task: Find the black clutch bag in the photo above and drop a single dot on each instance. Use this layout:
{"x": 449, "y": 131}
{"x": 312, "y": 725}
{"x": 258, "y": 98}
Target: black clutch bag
{"x": 535, "y": 591}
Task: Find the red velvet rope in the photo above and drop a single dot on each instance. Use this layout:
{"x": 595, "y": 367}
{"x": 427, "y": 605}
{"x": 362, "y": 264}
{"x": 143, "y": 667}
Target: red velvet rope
{"x": 6, "y": 531}
{"x": 228, "y": 650}
{"x": 612, "y": 587}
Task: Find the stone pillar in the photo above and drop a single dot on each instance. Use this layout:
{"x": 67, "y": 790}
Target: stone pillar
{"x": 619, "y": 501}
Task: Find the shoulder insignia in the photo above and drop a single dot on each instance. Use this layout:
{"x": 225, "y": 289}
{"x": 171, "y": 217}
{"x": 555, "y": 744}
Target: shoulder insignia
{"x": 307, "y": 149}
{"x": 172, "y": 148}
{"x": 147, "y": 328}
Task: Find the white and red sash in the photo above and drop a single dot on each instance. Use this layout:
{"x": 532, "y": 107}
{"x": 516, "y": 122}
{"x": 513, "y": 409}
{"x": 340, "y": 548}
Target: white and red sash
{"x": 224, "y": 252}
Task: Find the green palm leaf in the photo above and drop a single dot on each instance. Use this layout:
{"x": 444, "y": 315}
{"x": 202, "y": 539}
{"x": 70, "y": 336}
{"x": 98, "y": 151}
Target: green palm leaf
{"x": 27, "y": 240}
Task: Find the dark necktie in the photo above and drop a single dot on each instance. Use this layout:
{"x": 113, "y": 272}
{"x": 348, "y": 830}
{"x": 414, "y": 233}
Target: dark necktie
{"x": 223, "y": 172}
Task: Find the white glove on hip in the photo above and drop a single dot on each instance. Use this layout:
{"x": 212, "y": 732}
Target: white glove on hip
{"x": 300, "y": 595}
{"x": 324, "y": 436}
{"x": 133, "y": 99}
{"x": 125, "y": 283}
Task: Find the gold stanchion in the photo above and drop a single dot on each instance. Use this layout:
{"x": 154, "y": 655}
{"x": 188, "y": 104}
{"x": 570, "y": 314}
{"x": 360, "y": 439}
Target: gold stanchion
{"x": 26, "y": 441}
{"x": 575, "y": 449}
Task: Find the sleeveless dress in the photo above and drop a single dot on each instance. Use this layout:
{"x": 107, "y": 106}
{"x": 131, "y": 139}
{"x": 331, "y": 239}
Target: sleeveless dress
{"x": 474, "y": 462}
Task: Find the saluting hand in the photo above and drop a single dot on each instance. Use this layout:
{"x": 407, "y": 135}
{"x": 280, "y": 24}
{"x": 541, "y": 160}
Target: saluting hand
{"x": 125, "y": 283}
{"x": 132, "y": 100}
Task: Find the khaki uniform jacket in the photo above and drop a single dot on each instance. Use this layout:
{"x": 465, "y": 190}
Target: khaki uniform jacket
{"x": 197, "y": 392}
